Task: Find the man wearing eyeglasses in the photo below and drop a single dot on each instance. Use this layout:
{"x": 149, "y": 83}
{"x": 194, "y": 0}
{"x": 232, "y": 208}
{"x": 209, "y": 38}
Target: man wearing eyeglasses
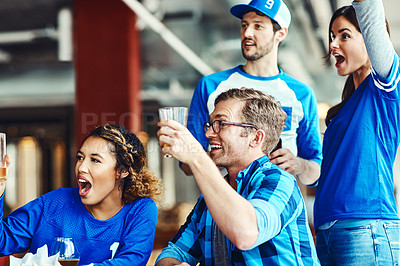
{"x": 264, "y": 25}
{"x": 256, "y": 214}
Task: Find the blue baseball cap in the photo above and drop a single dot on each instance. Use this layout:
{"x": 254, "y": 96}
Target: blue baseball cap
{"x": 275, "y": 9}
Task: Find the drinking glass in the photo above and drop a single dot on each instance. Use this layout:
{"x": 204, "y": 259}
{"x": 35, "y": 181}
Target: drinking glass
{"x": 3, "y": 169}
{"x": 67, "y": 250}
{"x": 178, "y": 114}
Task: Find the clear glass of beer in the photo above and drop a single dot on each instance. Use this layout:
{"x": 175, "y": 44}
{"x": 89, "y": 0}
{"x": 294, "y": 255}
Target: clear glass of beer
{"x": 178, "y": 114}
{"x": 3, "y": 168}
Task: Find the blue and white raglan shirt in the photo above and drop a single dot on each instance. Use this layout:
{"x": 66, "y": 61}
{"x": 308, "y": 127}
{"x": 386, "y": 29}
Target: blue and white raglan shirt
{"x": 284, "y": 235}
{"x": 301, "y": 134}
{"x": 125, "y": 239}
{"x": 361, "y": 141}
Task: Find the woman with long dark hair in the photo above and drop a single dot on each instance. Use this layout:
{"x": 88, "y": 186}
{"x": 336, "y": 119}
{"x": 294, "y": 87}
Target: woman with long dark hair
{"x": 355, "y": 211}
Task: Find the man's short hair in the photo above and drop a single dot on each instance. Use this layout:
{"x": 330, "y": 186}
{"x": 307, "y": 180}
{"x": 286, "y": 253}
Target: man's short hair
{"x": 260, "y": 110}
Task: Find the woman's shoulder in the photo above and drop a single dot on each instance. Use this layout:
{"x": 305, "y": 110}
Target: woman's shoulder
{"x": 390, "y": 85}
{"x": 142, "y": 204}
{"x": 60, "y": 196}
{"x": 143, "y": 207}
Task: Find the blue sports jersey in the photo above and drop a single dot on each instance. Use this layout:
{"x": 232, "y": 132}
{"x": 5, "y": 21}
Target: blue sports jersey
{"x": 284, "y": 235}
{"x": 125, "y": 239}
{"x": 301, "y": 134}
{"x": 359, "y": 150}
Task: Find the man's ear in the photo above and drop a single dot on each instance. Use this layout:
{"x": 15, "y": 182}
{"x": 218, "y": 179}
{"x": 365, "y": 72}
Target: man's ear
{"x": 280, "y": 35}
{"x": 258, "y": 138}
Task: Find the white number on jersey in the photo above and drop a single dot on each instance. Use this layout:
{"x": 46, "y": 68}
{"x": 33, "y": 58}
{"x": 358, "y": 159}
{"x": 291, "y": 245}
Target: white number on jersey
{"x": 114, "y": 248}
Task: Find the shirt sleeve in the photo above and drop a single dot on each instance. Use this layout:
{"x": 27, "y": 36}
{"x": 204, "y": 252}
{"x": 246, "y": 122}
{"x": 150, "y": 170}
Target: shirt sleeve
{"x": 371, "y": 18}
{"x": 185, "y": 246}
{"x": 173, "y": 251}
{"x": 277, "y": 202}
{"x": 268, "y": 221}
{"x": 384, "y": 60}
{"x": 18, "y": 228}
{"x": 309, "y": 133}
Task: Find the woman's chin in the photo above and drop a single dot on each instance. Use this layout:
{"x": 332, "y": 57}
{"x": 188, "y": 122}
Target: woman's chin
{"x": 342, "y": 73}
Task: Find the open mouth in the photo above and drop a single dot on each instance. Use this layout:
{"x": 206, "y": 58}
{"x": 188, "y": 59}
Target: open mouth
{"x": 339, "y": 59}
{"x": 84, "y": 187}
{"x": 248, "y": 43}
{"x": 215, "y": 147}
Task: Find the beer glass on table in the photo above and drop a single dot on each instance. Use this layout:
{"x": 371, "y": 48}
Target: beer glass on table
{"x": 67, "y": 250}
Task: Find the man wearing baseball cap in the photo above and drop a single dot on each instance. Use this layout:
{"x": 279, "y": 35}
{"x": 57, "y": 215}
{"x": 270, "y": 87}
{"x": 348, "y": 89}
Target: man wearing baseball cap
{"x": 264, "y": 25}
{"x": 275, "y": 10}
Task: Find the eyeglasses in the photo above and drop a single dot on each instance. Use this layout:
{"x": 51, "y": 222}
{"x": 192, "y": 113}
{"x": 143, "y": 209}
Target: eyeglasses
{"x": 218, "y": 124}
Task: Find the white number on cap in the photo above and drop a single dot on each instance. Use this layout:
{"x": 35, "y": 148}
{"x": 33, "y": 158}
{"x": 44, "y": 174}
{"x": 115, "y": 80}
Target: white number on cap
{"x": 269, "y": 4}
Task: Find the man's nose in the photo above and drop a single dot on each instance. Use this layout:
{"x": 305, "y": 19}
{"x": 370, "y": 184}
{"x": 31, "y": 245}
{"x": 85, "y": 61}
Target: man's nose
{"x": 248, "y": 32}
{"x": 210, "y": 132}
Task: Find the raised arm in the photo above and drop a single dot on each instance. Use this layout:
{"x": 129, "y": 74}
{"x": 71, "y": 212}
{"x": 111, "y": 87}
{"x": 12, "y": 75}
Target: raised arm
{"x": 240, "y": 226}
{"x": 371, "y": 18}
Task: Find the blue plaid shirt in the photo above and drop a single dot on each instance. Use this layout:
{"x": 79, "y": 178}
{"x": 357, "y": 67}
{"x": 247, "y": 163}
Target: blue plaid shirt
{"x": 270, "y": 190}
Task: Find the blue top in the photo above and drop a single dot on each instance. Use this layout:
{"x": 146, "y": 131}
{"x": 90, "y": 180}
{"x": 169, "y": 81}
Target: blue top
{"x": 301, "y": 134}
{"x": 125, "y": 239}
{"x": 361, "y": 141}
{"x": 284, "y": 235}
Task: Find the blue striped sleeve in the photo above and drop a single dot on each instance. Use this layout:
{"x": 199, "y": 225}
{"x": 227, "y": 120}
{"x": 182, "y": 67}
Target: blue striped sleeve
{"x": 277, "y": 202}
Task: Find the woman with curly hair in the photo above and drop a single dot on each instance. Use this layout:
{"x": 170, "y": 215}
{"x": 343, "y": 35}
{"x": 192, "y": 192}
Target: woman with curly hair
{"x": 112, "y": 215}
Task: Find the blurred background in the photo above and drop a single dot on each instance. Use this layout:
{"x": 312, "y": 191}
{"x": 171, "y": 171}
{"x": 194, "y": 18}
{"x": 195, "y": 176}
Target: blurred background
{"x": 67, "y": 66}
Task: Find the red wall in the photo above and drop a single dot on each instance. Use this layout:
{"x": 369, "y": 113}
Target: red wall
{"x": 107, "y": 65}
